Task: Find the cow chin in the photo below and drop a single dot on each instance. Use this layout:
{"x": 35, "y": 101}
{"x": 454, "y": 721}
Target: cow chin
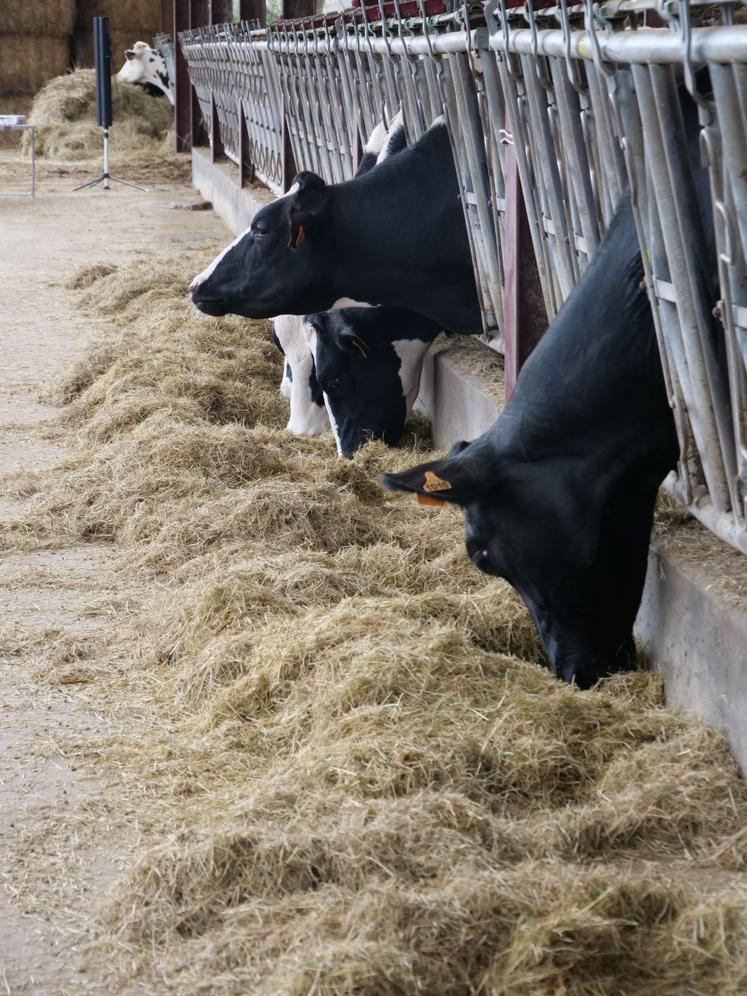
{"x": 215, "y": 309}
{"x": 218, "y": 308}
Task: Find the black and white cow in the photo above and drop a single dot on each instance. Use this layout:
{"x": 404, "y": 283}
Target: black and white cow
{"x": 392, "y": 236}
{"x": 299, "y": 385}
{"x": 368, "y": 363}
{"x": 558, "y": 496}
{"x": 308, "y": 414}
{"x": 146, "y": 67}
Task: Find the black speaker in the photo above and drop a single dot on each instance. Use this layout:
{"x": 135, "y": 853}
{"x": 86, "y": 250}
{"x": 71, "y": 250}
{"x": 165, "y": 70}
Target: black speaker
{"x": 102, "y": 50}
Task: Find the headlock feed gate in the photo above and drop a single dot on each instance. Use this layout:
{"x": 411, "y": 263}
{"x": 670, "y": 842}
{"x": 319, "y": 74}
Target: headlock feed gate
{"x": 578, "y": 102}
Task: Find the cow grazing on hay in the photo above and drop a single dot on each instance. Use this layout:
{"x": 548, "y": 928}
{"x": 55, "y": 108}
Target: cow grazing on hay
{"x": 357, "y": 369}
{"x": 558, "y": 496}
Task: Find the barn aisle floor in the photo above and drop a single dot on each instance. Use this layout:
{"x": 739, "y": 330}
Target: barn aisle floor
{"x": 57, "y": 595}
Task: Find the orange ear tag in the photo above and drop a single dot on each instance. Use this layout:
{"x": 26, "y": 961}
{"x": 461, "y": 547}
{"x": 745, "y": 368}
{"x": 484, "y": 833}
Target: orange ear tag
{"x": 428, "y": 500}
{"x": 299, "y": 238}
{"x": 434, "y": 483}
{"x": 359, "y": 346}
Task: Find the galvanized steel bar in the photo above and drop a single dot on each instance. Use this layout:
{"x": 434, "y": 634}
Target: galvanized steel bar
{"x": 588, "y": 112}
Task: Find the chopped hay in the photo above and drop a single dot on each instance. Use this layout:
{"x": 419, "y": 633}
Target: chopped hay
{"x": 64, "y": 112}
{"x": 358, "y": 778}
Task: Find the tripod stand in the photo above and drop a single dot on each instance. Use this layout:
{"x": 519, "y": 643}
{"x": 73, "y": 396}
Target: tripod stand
{"x": 106, "y": 176}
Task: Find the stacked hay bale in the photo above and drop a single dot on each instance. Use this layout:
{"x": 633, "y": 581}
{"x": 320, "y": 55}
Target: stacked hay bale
{"x": 34, "y": 46}
{"x": 128, "y": 23}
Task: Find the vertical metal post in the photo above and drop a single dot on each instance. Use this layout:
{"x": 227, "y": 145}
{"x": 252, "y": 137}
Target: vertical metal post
{"x": 221, "y": 11}
{"x": 106, "y": 159}
{"x": 524, "y": 315}
{"x": 298, "y": 8}
{"x": 216, "y": 146}
{"x": 289, "y": 163}
{"x": 291, "y": 10}
{"x": 246, "y": 170}
{"x": 167, "y": 18}
{"x": 199, "y": 13}
{"x": 199, "y": 16}
{"x": 253, "y": 10}
{"x": 183, "y": 87}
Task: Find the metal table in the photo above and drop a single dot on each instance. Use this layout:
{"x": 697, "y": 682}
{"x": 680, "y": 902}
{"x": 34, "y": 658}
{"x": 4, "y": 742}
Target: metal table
{"x": 10, "y": 125}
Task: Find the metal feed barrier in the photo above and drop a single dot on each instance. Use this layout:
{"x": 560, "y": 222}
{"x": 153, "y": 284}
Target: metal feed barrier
{"x": 579, "y": 100}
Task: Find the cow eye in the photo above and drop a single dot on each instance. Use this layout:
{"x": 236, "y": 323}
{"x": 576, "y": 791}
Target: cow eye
{"x": 260, "y": 229}
{"x": 481, "y": 560}
{"x": 332, "y": 386}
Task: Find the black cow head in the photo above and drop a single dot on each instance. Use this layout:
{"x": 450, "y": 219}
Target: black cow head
{"x": 369, "y": 372}
{"x": 577, "y": 559}
{"x": 272, "y": 268}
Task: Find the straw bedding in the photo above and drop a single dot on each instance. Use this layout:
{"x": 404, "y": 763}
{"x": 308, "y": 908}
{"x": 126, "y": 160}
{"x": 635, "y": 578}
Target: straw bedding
{"x": 359, "y": 778}
{"x": 65, "y": 114}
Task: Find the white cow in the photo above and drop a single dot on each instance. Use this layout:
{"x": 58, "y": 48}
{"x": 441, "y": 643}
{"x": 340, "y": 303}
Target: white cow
{"x": 146, "y": 67}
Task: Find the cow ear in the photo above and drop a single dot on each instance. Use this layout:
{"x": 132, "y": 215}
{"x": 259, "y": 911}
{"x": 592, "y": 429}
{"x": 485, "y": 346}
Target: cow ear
{"x": 349, "y": 340}
{"x": 129, "y": 54}
{"x": 436, "y": 482}
{"x": 308, "y": 199}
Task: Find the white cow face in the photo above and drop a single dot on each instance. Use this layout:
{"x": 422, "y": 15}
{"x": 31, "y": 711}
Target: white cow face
{"x": 308, "y": 416}
{"x": 136, "y": 61}
{"x": 286, "y": 384}
{"x": 145, "y": 66}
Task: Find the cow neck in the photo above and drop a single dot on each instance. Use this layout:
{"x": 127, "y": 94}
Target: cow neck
{"x": 399, "y": 238}
{"x": 595, "y": 380}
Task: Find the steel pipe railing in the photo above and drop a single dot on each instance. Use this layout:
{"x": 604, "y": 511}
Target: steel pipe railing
{"x": 588, "y": 107}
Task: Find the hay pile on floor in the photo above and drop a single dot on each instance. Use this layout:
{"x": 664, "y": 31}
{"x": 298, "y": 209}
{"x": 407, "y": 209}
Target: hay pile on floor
{"x": 64, "y": 111}
{"x": 358, "y": 779}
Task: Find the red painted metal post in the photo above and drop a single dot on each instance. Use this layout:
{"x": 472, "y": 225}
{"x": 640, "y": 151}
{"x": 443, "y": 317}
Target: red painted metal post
{"x": 289, "y": 162}
{"x": 183, "y": 95}
{"x": 199, "y": 16}
{"x": 221, "y": 11}
{"x": 253, "y": 10}
{"x": 524, "y": 315}
{"x": 199, "y": 13}
{"x": 167, "y": 17}
{"x": 246, "y": 167}
{"x": 298, "y": 8}
{"x": 292, "y": 9}
{"x": 510, "y": 272}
